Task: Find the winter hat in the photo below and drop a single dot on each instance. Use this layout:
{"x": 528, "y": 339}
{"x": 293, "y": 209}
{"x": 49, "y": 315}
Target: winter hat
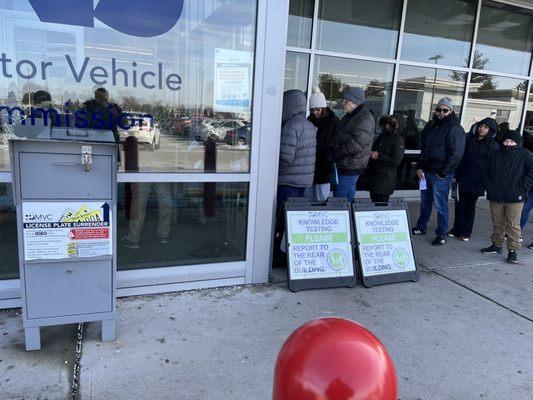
{"x": 447, "y": 102}
{"x": 317, "y": 100}
{"x": 514, "y": 136}
{"x": 355, "y": 95}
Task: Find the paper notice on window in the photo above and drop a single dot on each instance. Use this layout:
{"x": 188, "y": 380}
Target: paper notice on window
{"x": 423, "y": 183}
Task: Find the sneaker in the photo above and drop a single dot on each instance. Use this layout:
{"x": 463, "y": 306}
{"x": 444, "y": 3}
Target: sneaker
{"x": 451, "y": 234}
{"x": 127, "y": 243}
{"x": 439, "y": 241}
{"x": 530, "y": 246}
{"x": 492, "y": 249}
{"x": 464, "y": 238}
{"x": 417, "y": 231}
{"x": 521, "y": 239}
{"x": 512, "y": 257}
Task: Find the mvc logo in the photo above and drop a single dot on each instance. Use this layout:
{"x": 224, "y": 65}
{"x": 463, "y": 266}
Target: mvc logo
{"x": 38, "y": 217}
{"x": 142, "y": 18}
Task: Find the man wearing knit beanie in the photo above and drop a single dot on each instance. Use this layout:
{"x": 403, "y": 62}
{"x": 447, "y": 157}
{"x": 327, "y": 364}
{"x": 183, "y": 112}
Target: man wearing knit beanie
{"x": 508, "y": 178}
{"x": 442, "y": 149}
{"x": 353, "y": 142}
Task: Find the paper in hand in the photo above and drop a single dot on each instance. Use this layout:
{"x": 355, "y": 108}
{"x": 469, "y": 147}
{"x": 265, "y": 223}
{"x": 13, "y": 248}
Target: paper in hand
{"x": 422, "y": 183}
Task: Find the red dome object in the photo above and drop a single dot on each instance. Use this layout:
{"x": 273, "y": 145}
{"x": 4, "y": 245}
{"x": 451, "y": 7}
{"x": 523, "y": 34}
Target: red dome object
{"x": 334, "y": 359}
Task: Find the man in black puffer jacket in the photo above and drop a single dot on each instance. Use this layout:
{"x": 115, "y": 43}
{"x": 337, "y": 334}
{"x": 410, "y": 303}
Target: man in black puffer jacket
{"x": 508, "y": 177}
{"x": 480, "y": 144}
{"x": 353, "y": 142}
{"x": 443, "y": 144}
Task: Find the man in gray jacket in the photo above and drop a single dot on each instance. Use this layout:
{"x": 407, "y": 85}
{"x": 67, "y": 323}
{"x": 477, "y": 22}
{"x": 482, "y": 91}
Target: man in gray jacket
{"x": 353, "y": 142}
{"x": 296, "y": 157}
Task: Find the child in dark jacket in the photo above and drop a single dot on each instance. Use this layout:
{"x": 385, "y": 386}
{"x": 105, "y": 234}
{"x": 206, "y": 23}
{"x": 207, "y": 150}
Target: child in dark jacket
{"x": 480, "y": 144}
{"x": 508, "y": 178}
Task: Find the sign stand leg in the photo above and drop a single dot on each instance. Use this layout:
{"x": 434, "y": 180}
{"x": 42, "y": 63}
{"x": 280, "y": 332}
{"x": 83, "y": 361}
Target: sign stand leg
{"x": 108, "y": 330}
{"x": 33, "y": 338}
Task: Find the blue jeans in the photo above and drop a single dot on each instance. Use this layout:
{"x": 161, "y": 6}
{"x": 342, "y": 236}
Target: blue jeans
{"x": 436, "y": 192}
{"x": 346, "y": 187}
{"x": 526, "y": 211}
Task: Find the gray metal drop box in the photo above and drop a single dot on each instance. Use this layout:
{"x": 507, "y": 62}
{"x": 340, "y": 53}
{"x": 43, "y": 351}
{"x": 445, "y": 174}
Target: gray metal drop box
{"x": 65, "y": 194}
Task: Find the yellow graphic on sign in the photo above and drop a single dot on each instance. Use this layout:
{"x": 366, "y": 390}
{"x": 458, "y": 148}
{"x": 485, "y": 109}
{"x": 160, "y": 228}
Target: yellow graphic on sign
{"x": 72, "y": 249}
{"x": 83, "y": 214}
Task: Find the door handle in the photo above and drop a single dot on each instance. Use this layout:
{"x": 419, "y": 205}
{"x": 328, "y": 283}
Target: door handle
{"x": 67, "y": 164}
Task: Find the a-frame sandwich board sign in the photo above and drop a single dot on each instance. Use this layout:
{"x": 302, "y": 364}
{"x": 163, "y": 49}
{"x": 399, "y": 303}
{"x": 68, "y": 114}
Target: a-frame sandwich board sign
{"x": 319, "y": 242}
{"x": 383, "y": 240}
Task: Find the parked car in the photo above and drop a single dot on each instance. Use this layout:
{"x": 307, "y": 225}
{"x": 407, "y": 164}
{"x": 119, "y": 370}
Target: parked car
{"x": 145, "y": 129}
{"x": 240, "y": 136}
{"x": 181, "y": 126}
{"x": 216, "y": 129}
{"x": 221, "y": 129}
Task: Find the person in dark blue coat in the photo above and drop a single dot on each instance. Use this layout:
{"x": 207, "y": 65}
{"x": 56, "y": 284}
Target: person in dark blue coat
{"x": 508, "y": 178}
{"x": 443, "y": 144}
{"x": 480, "y": 143}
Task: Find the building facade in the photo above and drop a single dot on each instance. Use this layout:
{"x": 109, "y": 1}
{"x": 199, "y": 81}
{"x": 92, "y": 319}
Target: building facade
{"x": 193, "y": 93}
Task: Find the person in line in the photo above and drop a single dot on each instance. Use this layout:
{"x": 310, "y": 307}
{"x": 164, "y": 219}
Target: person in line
{"x": 443, "y": 143}
{"x": 326, "y": 123}
{"x": 528, "y": 205}
{"x": 526, "y": 212}
{"x": 508, "y": 177}
{"x": 480, "y": 144}
{"x": 385, "y": 157}
{"x": 352, "y": 142}
{"x": 296, "y": 159}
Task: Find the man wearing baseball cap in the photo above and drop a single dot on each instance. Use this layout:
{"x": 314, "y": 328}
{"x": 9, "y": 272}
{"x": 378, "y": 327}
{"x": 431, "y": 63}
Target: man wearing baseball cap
{"x": 443, "y": 145}
{"x": 352, "y": 142}
{"x": 508, "y": 178}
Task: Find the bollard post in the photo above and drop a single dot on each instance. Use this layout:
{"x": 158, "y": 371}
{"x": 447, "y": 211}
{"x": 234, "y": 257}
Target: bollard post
{"x": 334, "y": 359}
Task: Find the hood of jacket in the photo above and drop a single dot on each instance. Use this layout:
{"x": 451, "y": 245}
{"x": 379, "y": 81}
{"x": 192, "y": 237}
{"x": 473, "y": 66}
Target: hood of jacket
{"x": 389, "y": 125}
{"x": 294, "y": 103}
{"x": 491, "y": 123}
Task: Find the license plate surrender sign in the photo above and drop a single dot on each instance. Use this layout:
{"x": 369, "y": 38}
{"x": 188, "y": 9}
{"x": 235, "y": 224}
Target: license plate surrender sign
{"x": 384, "y": 242}
{"x": 56, "y": 230}
{"x": 319, "y": 244}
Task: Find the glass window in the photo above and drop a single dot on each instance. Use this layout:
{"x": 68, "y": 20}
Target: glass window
{"x": 168, "y": 76}
{"x": 528, "y": 126}
{"x": 9, "y": 262}
{"x": 417, "y": 93}
{"x": 367, "y": 27}
{"x": 170, "y": 224}
{"x": 300, "y": 23}
{"x": 296, "y": 71}
{"x": 504, "y": 40}
{"x": 496, "y": 97}
{"x": 333, "y": 75}
{"x": 439, "y": 32}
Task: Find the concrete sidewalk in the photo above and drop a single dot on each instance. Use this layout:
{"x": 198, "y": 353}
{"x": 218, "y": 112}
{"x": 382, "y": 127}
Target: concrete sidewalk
{"x": 464, "y": 331}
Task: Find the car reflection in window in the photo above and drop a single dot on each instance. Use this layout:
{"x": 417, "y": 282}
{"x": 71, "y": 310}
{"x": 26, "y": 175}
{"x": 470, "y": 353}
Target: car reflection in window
{"x": 145, "y": 130}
